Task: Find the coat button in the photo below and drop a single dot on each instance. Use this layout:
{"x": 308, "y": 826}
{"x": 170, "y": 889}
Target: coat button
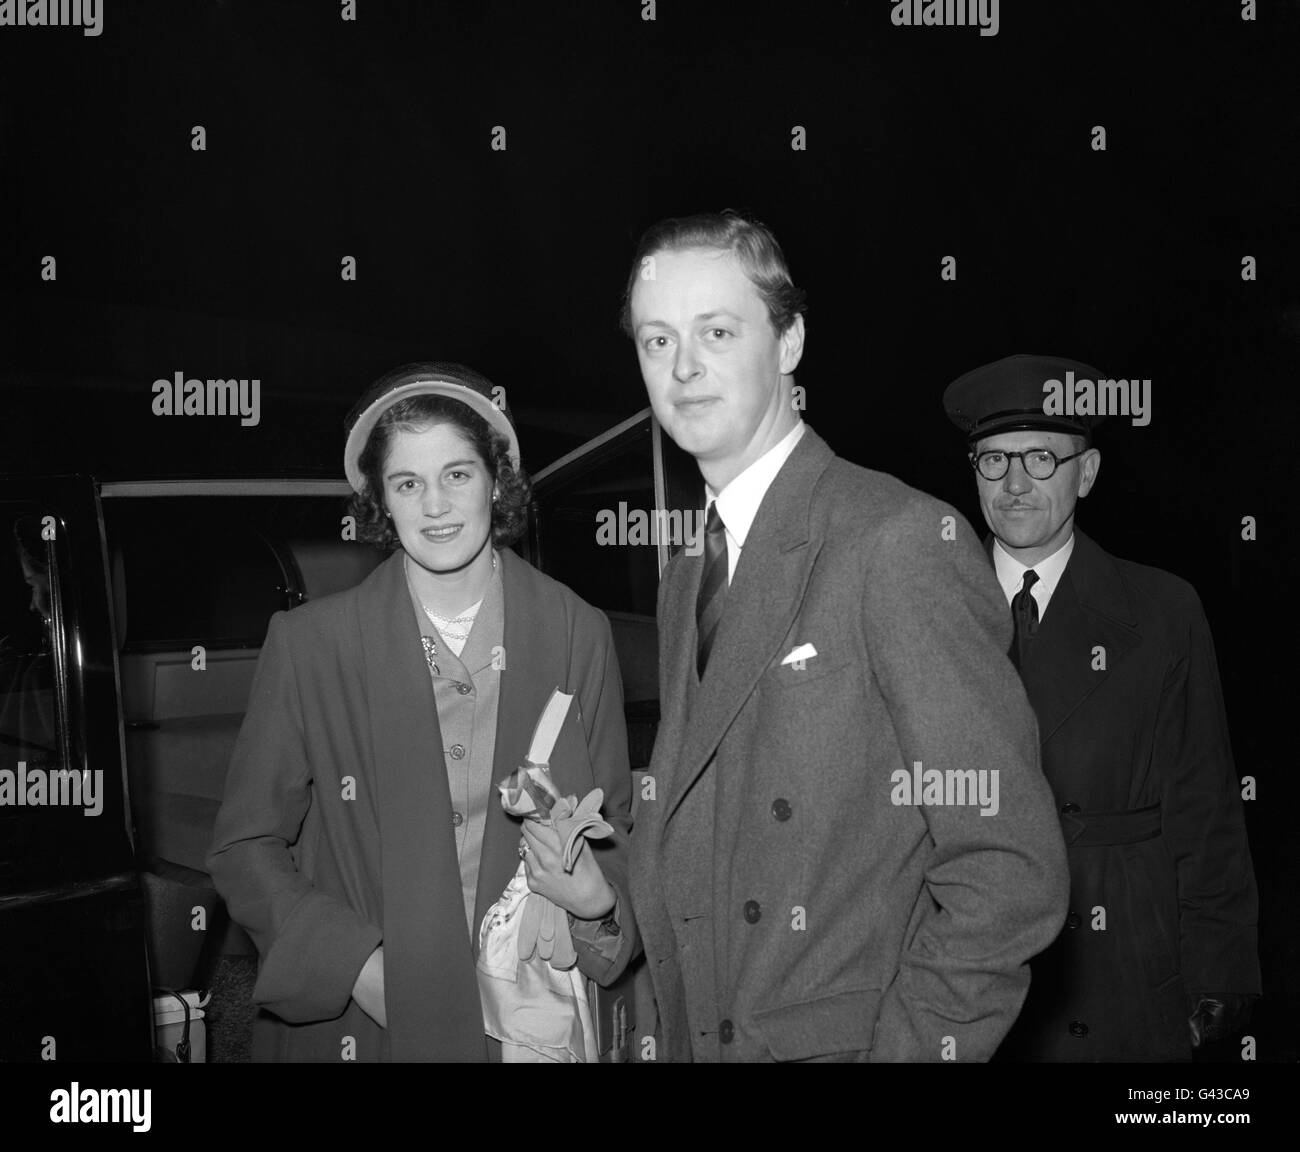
{"x": 464, "y": 689}
{"x": 457, "y": 819}
{"x": 726, "y": 1032}
{"x": 458, "y": 751}
{"x": 781, "y": 809}
{"x": 753, "y": 911}
{"x": 1070, "y": 807}
{"x": 1078, "y": 1028}
{"x": 1073, "y": 920}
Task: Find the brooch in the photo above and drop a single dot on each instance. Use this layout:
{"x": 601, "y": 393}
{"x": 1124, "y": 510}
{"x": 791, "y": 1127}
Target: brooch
{"x": 430, "y": 651}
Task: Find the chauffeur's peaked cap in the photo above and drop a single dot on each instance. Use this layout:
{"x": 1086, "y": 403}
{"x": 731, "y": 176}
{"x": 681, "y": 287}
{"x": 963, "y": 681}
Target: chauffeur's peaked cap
{"x": 1009, "y": 396}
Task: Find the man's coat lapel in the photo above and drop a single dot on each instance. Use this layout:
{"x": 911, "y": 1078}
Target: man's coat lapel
{"x": 765, "y": 595}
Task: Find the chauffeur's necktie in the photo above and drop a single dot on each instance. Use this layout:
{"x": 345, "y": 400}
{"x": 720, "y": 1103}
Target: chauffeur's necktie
{"x": 713, "y": 586}
{"x": 1024, "y": 617}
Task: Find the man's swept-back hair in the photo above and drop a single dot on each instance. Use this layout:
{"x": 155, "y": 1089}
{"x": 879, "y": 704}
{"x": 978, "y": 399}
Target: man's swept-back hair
{"x": 751, "y": 242}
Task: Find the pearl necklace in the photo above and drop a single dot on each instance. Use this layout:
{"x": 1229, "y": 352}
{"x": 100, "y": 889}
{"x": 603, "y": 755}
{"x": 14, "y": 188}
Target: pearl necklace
{"x": 450, "y": 621}
{"x": 451, "y": 628}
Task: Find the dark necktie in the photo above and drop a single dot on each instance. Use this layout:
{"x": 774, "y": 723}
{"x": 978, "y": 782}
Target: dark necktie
{"x": 1024, "y": 617}
{"x": 713, "y": 586}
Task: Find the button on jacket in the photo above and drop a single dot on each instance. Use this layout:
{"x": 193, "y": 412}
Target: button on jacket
{"x": 465, "y": 692}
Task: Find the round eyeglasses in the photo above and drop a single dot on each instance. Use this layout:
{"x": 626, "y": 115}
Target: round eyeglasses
{"x": 1039, "y": 463}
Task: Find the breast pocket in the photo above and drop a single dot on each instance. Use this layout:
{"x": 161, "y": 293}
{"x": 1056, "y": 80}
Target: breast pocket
{"x": 782, "y": 677}
{"x": 806, "y": 719}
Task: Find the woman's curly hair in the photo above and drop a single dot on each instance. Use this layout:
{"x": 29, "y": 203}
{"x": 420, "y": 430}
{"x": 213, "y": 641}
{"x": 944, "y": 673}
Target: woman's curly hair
{"x": 417, "y": 414}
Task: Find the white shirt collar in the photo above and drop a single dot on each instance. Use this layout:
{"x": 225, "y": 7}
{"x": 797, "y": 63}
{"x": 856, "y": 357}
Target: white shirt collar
{"x": 1011, "y": 573}
{"x": 738, "y": 502}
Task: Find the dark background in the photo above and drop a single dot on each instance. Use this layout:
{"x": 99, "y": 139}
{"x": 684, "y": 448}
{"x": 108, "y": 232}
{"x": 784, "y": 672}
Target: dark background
{"x": 372, "y": 139}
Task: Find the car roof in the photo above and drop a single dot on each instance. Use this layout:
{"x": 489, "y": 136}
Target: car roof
{"x": 194, "y": 486}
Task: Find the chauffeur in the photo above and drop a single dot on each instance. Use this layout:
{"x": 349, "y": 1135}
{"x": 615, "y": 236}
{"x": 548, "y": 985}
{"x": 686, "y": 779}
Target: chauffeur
{"x": 1159, "y": 949}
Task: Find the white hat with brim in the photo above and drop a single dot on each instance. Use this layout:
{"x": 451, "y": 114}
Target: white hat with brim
{"x": 451, "y": 380}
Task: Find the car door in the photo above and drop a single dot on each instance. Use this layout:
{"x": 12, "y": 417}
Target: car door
{"x": 74, "y": 980}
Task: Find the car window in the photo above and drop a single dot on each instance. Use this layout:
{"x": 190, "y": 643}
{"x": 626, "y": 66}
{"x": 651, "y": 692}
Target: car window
{"x": 29, "y": 688}
{"x": 597, "y": 532}
{"x": 212, "y": 570}
{"x": 42, "y": 802}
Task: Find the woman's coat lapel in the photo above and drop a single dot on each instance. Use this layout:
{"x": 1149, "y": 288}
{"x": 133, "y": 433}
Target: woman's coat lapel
{"x": 534, "y": 660}
{"x": 430, "y": 989}
{"x": 429, "y": 982}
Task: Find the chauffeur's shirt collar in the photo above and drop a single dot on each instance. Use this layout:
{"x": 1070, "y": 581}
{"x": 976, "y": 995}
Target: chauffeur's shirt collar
{"x": 1011, "y": 573}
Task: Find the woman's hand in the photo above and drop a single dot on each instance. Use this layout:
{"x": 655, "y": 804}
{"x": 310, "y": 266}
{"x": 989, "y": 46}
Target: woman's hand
{"x": 585, "y": 892}
{"x": 368, "y": 991}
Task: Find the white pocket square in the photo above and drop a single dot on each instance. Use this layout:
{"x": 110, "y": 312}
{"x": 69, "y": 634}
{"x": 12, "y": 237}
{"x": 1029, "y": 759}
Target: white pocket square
{"x": 801, "y": 652}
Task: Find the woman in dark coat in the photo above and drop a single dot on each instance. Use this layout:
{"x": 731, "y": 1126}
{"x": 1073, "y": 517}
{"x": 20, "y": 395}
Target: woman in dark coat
{"x": 362, "y": 839}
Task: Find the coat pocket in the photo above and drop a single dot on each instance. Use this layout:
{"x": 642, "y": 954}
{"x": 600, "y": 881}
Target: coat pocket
{"x": 843, "y": 1022}
{"x": 1155, "y": 914}
{"x": 782, "y": 676}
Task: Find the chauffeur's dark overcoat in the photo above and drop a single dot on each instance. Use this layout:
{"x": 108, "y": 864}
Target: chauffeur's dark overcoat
{"x": 1123, "y": 679}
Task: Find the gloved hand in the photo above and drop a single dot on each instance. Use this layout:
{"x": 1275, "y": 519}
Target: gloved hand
{"x": 1217, "y": 1015}
{"x": 543, "y": 925}
{"x": 577, "y": 885}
